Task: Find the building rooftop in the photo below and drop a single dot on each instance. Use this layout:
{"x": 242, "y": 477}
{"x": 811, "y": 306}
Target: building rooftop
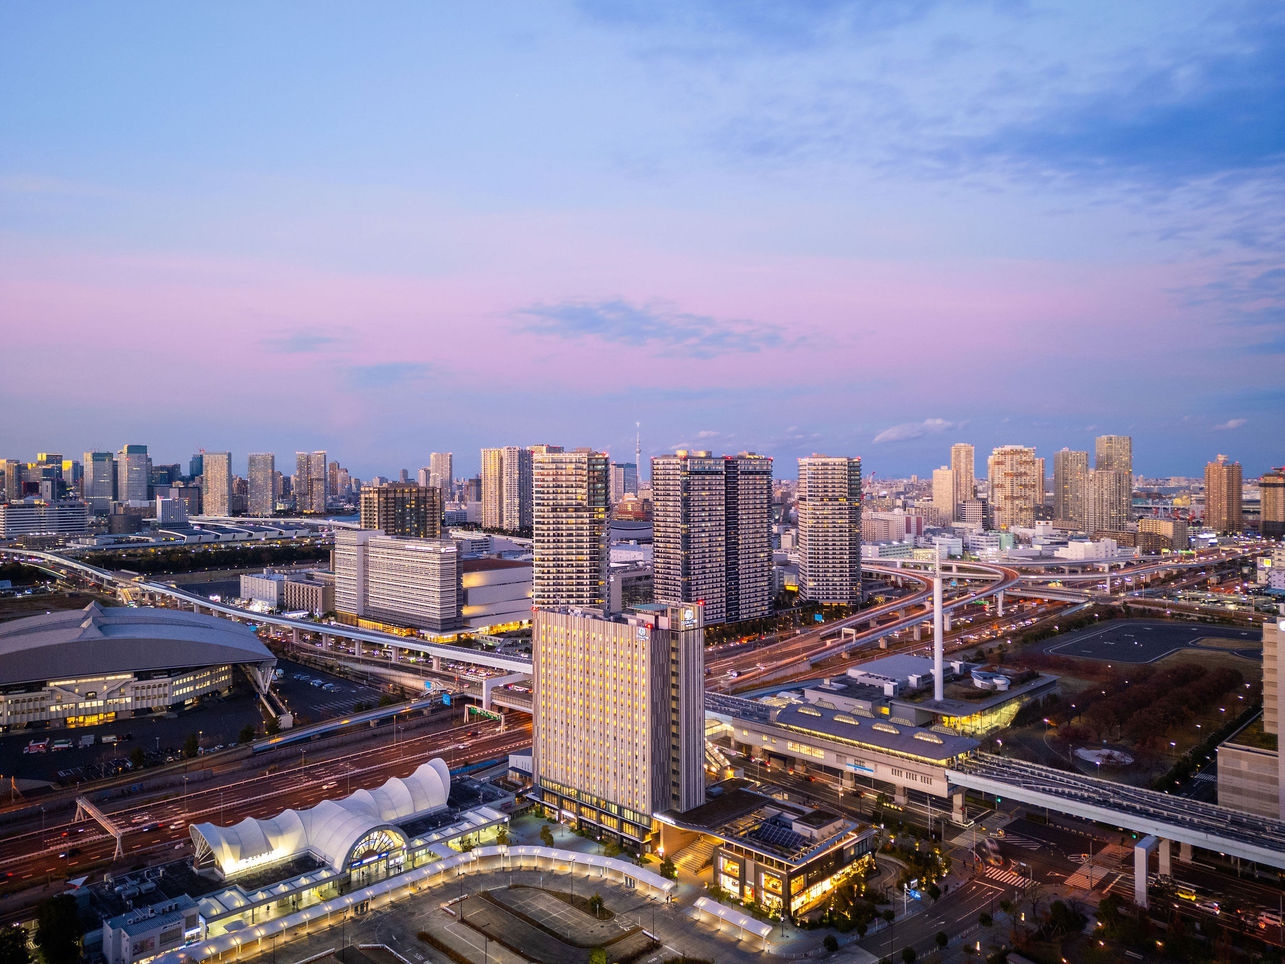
{"x": 98, "y": 639}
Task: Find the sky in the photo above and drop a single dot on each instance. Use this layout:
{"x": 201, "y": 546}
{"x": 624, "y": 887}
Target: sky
{"x": 868, "y": 229}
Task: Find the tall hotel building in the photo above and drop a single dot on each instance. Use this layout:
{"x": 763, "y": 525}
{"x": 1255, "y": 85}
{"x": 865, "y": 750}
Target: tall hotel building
{"x": 830, "y": 529}
{"x": 311, "y": 482}
{"x": 506, "y": 488}
{"x": 1015, "y": 486}
{"x": 962, "y": 463}
{"x": 1223, "y": 512}
{"x": 216, "y": 484}
{"x": 569, "y": 528}
{"x": 402, "y": 582}
{"x": 261, "y": 484}
{"x": 1070, "y": 487}
{"x": 712, "y": 542}
{"x": 402, "y": 509}
{"x": 619, "y": 718}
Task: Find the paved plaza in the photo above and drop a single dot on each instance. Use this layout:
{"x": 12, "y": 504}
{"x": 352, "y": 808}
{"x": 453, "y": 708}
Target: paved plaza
{"x": 1145, "y": 641}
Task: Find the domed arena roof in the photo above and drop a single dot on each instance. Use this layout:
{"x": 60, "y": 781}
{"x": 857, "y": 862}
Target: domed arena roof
{"x": 100, "y": 640}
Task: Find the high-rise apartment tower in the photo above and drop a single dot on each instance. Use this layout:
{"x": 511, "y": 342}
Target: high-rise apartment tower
{"x": 261, "y": 481}
{"x": 1223, "y": 512}
{"x": 830, "y": 529}
{"x": 569, "y": 529}
{"x": 712, "y": 525}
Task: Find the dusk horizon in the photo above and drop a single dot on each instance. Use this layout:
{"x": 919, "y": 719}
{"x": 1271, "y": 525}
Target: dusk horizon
{"x": 842, "y": 228}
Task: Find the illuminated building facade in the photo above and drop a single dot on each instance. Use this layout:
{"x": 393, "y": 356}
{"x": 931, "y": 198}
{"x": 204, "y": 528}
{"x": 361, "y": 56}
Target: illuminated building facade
{"x": 402, "y": 509}
{"x": 619, "y": 718}
{"x": 1223, "y": 511}
{"x": 830, "y": 529}
{"x": 712, "y": 533}
{"x": 569, "y": 531}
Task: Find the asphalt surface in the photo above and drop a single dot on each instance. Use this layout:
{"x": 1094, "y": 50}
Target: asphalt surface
{"x": 1145, "y": 641}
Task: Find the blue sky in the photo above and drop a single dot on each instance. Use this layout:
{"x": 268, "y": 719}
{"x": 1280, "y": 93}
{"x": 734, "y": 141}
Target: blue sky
{"x": 857, "y": 228}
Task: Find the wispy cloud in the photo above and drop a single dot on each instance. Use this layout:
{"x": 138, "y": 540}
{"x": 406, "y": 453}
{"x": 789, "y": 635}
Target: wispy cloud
{"x": 386, "y": 374}
{"x": 912, "y": 430}
{"x": 1231, "y": 423}
{"x": 297, "y": 342}
{"x": 654, "y": 325}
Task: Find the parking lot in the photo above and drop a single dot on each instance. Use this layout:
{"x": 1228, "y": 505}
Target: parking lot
{"x": 120, "y": 747}
{"x": 1145, "y": 641}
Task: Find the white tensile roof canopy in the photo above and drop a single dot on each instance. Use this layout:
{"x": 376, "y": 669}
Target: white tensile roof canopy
{"x": 330, "y": 831}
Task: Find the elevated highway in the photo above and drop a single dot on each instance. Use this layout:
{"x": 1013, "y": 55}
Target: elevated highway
{"x": 1160, "y": 816}
{"x": 63, "y": 566}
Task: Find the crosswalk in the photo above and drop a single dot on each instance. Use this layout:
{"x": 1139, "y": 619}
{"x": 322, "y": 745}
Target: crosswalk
{"x": 1010, "y": 877}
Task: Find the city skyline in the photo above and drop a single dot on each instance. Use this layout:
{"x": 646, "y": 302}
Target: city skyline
{"x": 787, "y": 230}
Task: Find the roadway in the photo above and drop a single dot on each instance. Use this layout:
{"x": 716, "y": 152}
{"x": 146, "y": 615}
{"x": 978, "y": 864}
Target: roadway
{"x": 61, "y": 566}
{"x": 1209, "y": 827}
{"x": 747, "y": 670}
{"x": 43, "y": 842}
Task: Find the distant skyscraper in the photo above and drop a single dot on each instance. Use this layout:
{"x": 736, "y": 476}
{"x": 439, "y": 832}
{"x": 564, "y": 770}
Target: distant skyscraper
{"x": 712, "y": 539}
{"x": 492, "y": 488}
{"x": 261, "y": 474}
{"x": 962, "y": 464}
{"x": 624, "y": 479}
{"x": 441, "y": 473}
{"x": 133, "y": 472}
{"x": 1271, "y": 488}
{"x": 311, "y": 482}
{"x": 1107, "y": 506}
{"x": 403, "y": 510}
{"x": 1223, "y": 511}
{"x": 569, "y": 529}
{"x": 830, "y": 529}
{"x": 506, "y": 488}
{"x": 12, "y": 470}
{"x": 1014, "y": 485}
{"x": 99, "y": 482}
{"x": 944, "y": 495}
{"x": 216, "y": 484}
{"x": 196, "y": 465}
{"x": 619, "y": 731}
{"x": 1070, "y": 486}
{"x": 1114, "y": 453}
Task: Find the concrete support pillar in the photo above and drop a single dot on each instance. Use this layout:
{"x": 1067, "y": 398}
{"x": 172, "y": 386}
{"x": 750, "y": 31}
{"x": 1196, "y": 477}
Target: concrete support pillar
{"x": 918, "y": 631}
{"x": 437, "y": 664}
{"x": 296, "y": 637}
{"x": 1184, "y": 852}
{"x": 999, "y": 599}
{"x": 1166, "y": 866}
{"x": 899, "y": 796}
{"x": 327, "y": 641}
{"x": 1141, "y": 851}
{"x": 939, "y": 678}
{"x": 957, "y": 806}
{"x": 946, "y": 621}
{"x": 394, "y": 658}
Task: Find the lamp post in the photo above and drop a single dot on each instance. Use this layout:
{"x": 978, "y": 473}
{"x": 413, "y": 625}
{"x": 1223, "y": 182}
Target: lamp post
{"x": 185, "y": 793}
